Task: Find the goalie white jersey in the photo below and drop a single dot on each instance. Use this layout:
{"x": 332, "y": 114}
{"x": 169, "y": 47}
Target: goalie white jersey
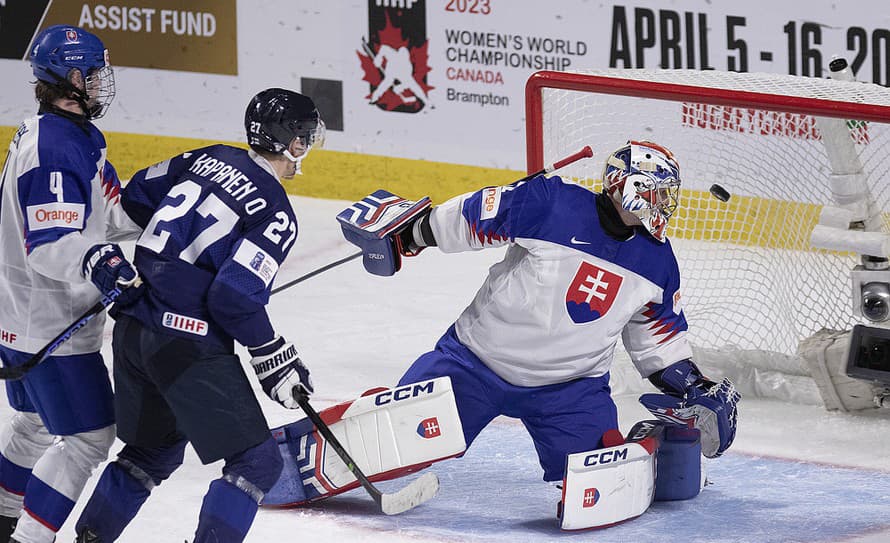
{"x": 58, "y": 198}
{"x": 553, "y": 309}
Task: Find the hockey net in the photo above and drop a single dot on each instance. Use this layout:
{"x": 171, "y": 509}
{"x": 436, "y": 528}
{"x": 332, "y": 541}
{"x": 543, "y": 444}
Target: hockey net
{"x": 752, "y": 283}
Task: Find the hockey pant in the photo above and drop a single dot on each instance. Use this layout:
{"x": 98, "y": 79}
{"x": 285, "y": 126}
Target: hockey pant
{"x": 41, "y": 477}
{"x": 562, "y": 419}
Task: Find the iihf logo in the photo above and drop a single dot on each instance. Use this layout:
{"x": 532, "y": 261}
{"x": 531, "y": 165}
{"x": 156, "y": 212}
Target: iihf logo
{"x": 429, "y": 428}
{"x": 591, "y": 497}
{"x": 395, "y": 58}
{"x": 257, "y": 261}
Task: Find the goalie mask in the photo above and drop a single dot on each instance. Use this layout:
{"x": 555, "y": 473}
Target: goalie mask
{"x": 76, "y": 61}
{"x": 644, "y": 179}
{"x": 276, "y": 117}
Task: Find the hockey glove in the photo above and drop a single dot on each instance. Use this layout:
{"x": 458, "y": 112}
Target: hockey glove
{"x": 106, "y": 267}
{"x": 693, "y": 401}
{"x": 280, "y": 369}
{"x": 382, "y": 226}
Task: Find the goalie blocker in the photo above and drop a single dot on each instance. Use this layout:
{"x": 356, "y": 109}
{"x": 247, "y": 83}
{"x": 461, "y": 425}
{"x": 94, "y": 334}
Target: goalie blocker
{"x": 388, "y": 432}
{"x": 375, "y": 223}
{"x": 618, "y": 482}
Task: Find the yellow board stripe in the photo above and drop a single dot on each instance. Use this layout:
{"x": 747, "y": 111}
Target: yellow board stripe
{"x": 744, "y": 220}
{"x": 351, "y": 176}
{"x": 327, "y": 174}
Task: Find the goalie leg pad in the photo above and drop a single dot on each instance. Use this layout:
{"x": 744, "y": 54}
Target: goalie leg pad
{"x": 607, "y": 486}
{"x": 679, "y": 475}
{"x": 389, "y": 433}
{"x": 373, "y": 224}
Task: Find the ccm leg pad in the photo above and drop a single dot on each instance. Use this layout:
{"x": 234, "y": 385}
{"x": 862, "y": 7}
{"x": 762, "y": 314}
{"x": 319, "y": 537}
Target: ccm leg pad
{"x": 388, "y": 432}
{"x": 613, "y": 484}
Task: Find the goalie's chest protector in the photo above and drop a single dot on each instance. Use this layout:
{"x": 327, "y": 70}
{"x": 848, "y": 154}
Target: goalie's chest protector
{"x": 555, "y": 307}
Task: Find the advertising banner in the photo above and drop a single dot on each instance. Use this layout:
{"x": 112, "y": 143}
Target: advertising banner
{"x": 194, "y": 36}
{"x": 436, "y": 80}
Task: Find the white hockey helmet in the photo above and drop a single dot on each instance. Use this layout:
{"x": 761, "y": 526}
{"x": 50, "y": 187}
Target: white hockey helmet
{"x": 644, "y": 179}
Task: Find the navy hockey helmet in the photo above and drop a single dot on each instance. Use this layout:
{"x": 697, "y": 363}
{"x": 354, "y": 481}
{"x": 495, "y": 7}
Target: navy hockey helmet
{"x": 60, "y": 49}
{"x": 274, "y": 117}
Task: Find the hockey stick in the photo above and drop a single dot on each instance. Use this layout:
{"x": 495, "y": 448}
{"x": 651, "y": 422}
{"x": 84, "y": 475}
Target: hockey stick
{"x": 313, "y": 273}
{"x": 17, "y": 372}
{"x": 415, "y": 493}
{"x": 586, "y": 152}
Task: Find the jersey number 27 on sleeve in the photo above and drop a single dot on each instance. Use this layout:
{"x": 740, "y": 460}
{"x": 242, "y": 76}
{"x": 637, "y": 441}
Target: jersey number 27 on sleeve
{"x": 156, "y": 239}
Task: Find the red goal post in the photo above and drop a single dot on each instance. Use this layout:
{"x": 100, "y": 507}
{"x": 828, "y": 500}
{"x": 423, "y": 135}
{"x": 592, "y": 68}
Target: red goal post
{"x": 629, "y": 83}
{"x": 752, "y": 280}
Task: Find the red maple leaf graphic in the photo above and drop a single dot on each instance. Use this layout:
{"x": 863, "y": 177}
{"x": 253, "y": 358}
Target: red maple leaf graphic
{"x": 391, "y": 35}
{"x": 420, "y": 58}
{"x": 392, "y": 98}
{"x": 372, "y": 74}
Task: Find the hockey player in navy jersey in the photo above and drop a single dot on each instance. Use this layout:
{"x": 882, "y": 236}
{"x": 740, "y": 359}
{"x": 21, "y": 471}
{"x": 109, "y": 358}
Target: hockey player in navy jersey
{"x": 59, "y": 210}
{"x": 581, "y": 269}
{"x": 217, "y": 225}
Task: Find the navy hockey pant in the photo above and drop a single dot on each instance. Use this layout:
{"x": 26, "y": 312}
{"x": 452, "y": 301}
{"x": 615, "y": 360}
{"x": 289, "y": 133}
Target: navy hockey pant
{"x": 562, "y": 419}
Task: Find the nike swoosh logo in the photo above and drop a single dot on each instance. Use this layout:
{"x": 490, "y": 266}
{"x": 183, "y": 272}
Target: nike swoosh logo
{"x": 579, "y": 242}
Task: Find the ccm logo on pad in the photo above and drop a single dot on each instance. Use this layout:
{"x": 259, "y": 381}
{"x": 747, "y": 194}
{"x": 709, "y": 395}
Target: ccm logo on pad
{"x": 57, "y": 214}
{"x": 403, "y": 393}
{"x": 606, "y": 457}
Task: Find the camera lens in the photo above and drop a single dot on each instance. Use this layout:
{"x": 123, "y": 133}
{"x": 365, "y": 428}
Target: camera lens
{"x": 876, "y": 301}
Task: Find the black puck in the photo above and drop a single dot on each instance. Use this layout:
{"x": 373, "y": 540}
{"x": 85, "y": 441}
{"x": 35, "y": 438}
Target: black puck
{"x": 720, "y": 193}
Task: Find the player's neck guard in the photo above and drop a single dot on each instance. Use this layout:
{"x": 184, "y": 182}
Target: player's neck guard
{"x": 610, "y": 219}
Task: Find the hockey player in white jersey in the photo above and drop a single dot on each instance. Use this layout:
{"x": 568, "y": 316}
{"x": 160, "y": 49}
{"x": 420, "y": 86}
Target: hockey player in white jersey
{"x": 537, "y": 342}
{"x": 59, "y": 210}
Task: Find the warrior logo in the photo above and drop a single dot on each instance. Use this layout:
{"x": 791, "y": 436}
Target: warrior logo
{"x": 429, "y": 428}
{"x": 591, "y": 293}
{"x": 395, "y": 57}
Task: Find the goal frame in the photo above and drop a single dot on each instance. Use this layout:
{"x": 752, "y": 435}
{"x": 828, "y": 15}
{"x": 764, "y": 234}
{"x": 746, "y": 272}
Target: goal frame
{"x": 537, "y": 82}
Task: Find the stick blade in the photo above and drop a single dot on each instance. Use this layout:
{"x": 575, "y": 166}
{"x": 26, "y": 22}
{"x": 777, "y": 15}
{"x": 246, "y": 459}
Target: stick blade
{"x": 419, "y": 491}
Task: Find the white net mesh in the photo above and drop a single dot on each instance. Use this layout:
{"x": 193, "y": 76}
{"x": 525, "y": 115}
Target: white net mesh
{"x": 751, "y": 280}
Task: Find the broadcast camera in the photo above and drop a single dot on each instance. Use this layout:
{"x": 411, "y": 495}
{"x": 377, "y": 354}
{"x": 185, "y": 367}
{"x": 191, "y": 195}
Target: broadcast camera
{"x": 869, "y": 355}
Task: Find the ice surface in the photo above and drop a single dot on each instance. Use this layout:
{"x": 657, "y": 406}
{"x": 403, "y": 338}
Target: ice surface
{"x": 795, "y": 472}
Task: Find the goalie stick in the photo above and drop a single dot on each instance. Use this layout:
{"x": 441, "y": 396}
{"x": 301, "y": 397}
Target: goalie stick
{"x": 410, "y": 496}
{"x": 586, "y": 152}
{"x": 17, "y": 372}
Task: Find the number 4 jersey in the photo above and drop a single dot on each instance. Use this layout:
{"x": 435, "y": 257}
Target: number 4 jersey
{"x": 217, "y": 224}
{"x": 59, "y": 197}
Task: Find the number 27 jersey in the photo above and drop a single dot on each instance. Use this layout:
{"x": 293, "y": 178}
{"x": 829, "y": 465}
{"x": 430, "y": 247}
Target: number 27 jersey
{"x": 217, "y": 225}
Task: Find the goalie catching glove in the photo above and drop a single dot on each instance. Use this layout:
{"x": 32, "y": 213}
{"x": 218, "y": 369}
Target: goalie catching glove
{"x": 386, "y": 227}
{"x": 279, "y": 369}
{"x": 691, "y": 400}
